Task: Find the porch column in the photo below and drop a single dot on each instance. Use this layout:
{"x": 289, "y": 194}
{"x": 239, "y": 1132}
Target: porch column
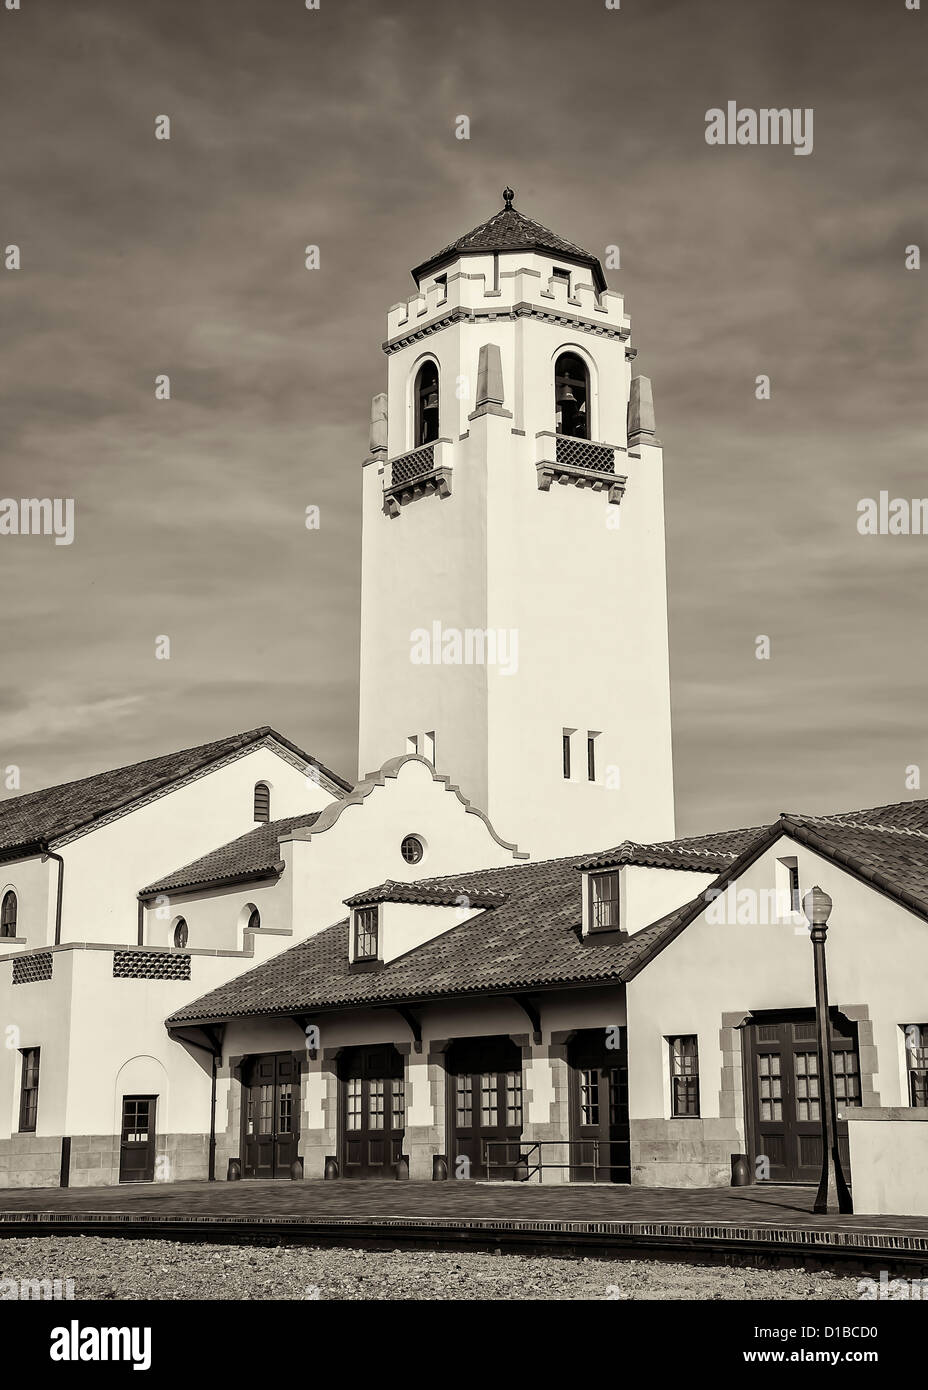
{"x": 425, "y": 1105}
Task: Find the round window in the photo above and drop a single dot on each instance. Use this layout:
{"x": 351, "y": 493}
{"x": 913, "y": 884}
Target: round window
{"x": 412, "y": 849}
{"x": 180, "y": 932}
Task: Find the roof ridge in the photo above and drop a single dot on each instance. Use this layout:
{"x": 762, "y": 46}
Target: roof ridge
{"x": 840, "y": 824}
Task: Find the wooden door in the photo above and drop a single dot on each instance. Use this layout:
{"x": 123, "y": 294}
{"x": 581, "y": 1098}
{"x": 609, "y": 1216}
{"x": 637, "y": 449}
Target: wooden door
{"x": 372, "y": 1118}
{"x": 781, "y": 1061}
{"x": 485, "y": 1103}
{"x": 137, "y": 1139}
{"x": 270, "y": 1115}
{"x": 599, "y": 1129}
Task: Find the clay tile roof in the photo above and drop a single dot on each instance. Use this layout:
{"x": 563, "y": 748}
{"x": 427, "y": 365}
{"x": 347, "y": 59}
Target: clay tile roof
{"x": 256, "y": 854}
{"x": 511, "y": 230}
{"x": 530, "y": 941}
{"x": 452, "y": 895}
{"x": 34, "y": 818}
{"x": 710, "y": 853}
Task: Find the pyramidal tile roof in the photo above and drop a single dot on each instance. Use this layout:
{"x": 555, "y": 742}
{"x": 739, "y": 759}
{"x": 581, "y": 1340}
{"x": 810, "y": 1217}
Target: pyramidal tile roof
{"x": 511, "y": 230}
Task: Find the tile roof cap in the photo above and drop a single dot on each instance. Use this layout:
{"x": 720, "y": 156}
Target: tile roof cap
{"x": 445, "y": 895}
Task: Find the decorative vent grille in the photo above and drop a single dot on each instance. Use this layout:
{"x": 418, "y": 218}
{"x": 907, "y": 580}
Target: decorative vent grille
{"x": 413, "y": 465}
{"x": 150, "y": 965}
{"x": 580, "y": 453}
{"x": 28, "y": 969}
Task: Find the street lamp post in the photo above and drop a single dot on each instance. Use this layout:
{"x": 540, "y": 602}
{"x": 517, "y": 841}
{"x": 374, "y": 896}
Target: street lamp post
{"x": 833, "y": 1191}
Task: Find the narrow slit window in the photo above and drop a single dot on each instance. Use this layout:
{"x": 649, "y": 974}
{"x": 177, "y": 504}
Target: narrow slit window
{"x": 262, "y": 802}
{"x": 565, "y": 753}
{"x": 29, "y": 1091}
{"x": 8, "y": 914}
{"x": 795, "y": 903}
{"x": 591, "y": 757}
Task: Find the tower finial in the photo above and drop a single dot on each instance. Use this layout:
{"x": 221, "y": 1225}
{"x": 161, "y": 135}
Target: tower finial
{"x": 508, "y": 196}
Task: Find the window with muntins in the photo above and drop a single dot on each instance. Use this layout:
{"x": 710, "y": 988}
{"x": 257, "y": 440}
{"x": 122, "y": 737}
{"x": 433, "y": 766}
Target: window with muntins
{"x": 365, "y": 933}
{"x": 684, "y": 1076}
{"x": 916, "y": 1055}
{"x": 604, "y": 902}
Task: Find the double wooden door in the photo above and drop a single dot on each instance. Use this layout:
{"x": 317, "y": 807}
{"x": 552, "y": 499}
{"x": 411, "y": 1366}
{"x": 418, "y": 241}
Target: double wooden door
{"x": 373, "y": 1111}
{"x": 601, "y": 1148}
{"x": 781, "y": 1061}
{"x": 270, "y": 1115}
{"x": 485, "y": 1107}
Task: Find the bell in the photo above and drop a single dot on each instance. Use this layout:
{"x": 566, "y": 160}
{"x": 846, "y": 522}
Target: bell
{"x": 565, "y": 396}
{"x": 431, "y": 401}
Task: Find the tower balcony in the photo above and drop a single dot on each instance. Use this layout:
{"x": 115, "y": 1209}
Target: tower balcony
{"x": 417, "y": 474}
{"x": 565, "y": 459}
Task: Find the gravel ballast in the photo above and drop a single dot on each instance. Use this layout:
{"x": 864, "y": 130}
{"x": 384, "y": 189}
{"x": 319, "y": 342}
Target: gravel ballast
{"x": 103, "y": 1268}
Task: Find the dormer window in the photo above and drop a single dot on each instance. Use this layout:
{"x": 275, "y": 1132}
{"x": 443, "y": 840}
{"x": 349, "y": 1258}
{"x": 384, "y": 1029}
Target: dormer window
{"x": 262, "y": 802}
{"x": 426, "y": 403}
{"x": 604, "y": 902}
{"x": 366, "y": 933}
{"x": 571, "y": 396}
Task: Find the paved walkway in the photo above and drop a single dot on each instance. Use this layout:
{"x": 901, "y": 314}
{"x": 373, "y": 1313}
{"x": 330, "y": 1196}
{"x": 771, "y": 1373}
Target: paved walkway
{"x": 457, "y": 1203}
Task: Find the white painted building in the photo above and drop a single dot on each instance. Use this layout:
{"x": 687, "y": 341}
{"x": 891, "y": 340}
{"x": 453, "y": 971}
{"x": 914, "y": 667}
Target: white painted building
{"x": 230, "y": 961}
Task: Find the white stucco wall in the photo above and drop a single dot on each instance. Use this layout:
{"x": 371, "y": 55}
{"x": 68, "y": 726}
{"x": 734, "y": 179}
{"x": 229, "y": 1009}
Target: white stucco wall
{"x": 877, "y": 956}
{"x": 360, "y": 847}
{"x": 588, "y": 603}
{"x": 36, "y": 887}
{"x": 889, "y": 1161}
{"x": 105, "y": 868}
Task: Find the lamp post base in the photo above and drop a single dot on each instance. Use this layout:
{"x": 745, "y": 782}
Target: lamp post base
{"x": 833, "y": 1193}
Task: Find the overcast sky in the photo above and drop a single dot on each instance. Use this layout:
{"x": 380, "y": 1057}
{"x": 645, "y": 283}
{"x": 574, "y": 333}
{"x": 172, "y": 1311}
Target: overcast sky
{"x": 336, "y": 127}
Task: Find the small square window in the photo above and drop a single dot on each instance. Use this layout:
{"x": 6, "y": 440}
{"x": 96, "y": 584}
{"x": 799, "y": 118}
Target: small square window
{"x": 684, "y": 1076}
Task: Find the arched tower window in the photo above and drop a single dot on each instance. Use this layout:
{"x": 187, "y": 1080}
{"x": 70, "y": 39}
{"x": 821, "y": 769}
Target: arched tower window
{"x": 254, "y": 921}
{"x": 262, "y": 801}
{"x": 8, "y": 914}
{"x": 572, "y": 396}
{"x": 426, "y": 400}
{"x": 181, "y": 934}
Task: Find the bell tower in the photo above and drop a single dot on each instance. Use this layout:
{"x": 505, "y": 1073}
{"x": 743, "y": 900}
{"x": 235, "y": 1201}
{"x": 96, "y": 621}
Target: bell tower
{"x": 513, "y": 592}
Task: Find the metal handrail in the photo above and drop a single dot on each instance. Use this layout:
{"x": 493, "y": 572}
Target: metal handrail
{"x": 526, "y": 1150}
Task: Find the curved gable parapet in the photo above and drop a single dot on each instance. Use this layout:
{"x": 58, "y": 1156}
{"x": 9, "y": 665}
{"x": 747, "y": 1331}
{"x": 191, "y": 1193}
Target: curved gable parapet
{"x": 389, "y": 772}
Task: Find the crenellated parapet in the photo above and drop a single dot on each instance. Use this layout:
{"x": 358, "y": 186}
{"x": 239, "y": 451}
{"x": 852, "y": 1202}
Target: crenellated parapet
{"x": 510, "y": 285}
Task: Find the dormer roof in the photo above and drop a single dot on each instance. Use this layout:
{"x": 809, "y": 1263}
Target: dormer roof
{"x": 425, "y": 894}
{"x": 511, "y": 230}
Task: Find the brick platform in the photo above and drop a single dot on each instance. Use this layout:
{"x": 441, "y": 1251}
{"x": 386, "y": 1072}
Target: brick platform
{"x": 774, "y": 1222}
